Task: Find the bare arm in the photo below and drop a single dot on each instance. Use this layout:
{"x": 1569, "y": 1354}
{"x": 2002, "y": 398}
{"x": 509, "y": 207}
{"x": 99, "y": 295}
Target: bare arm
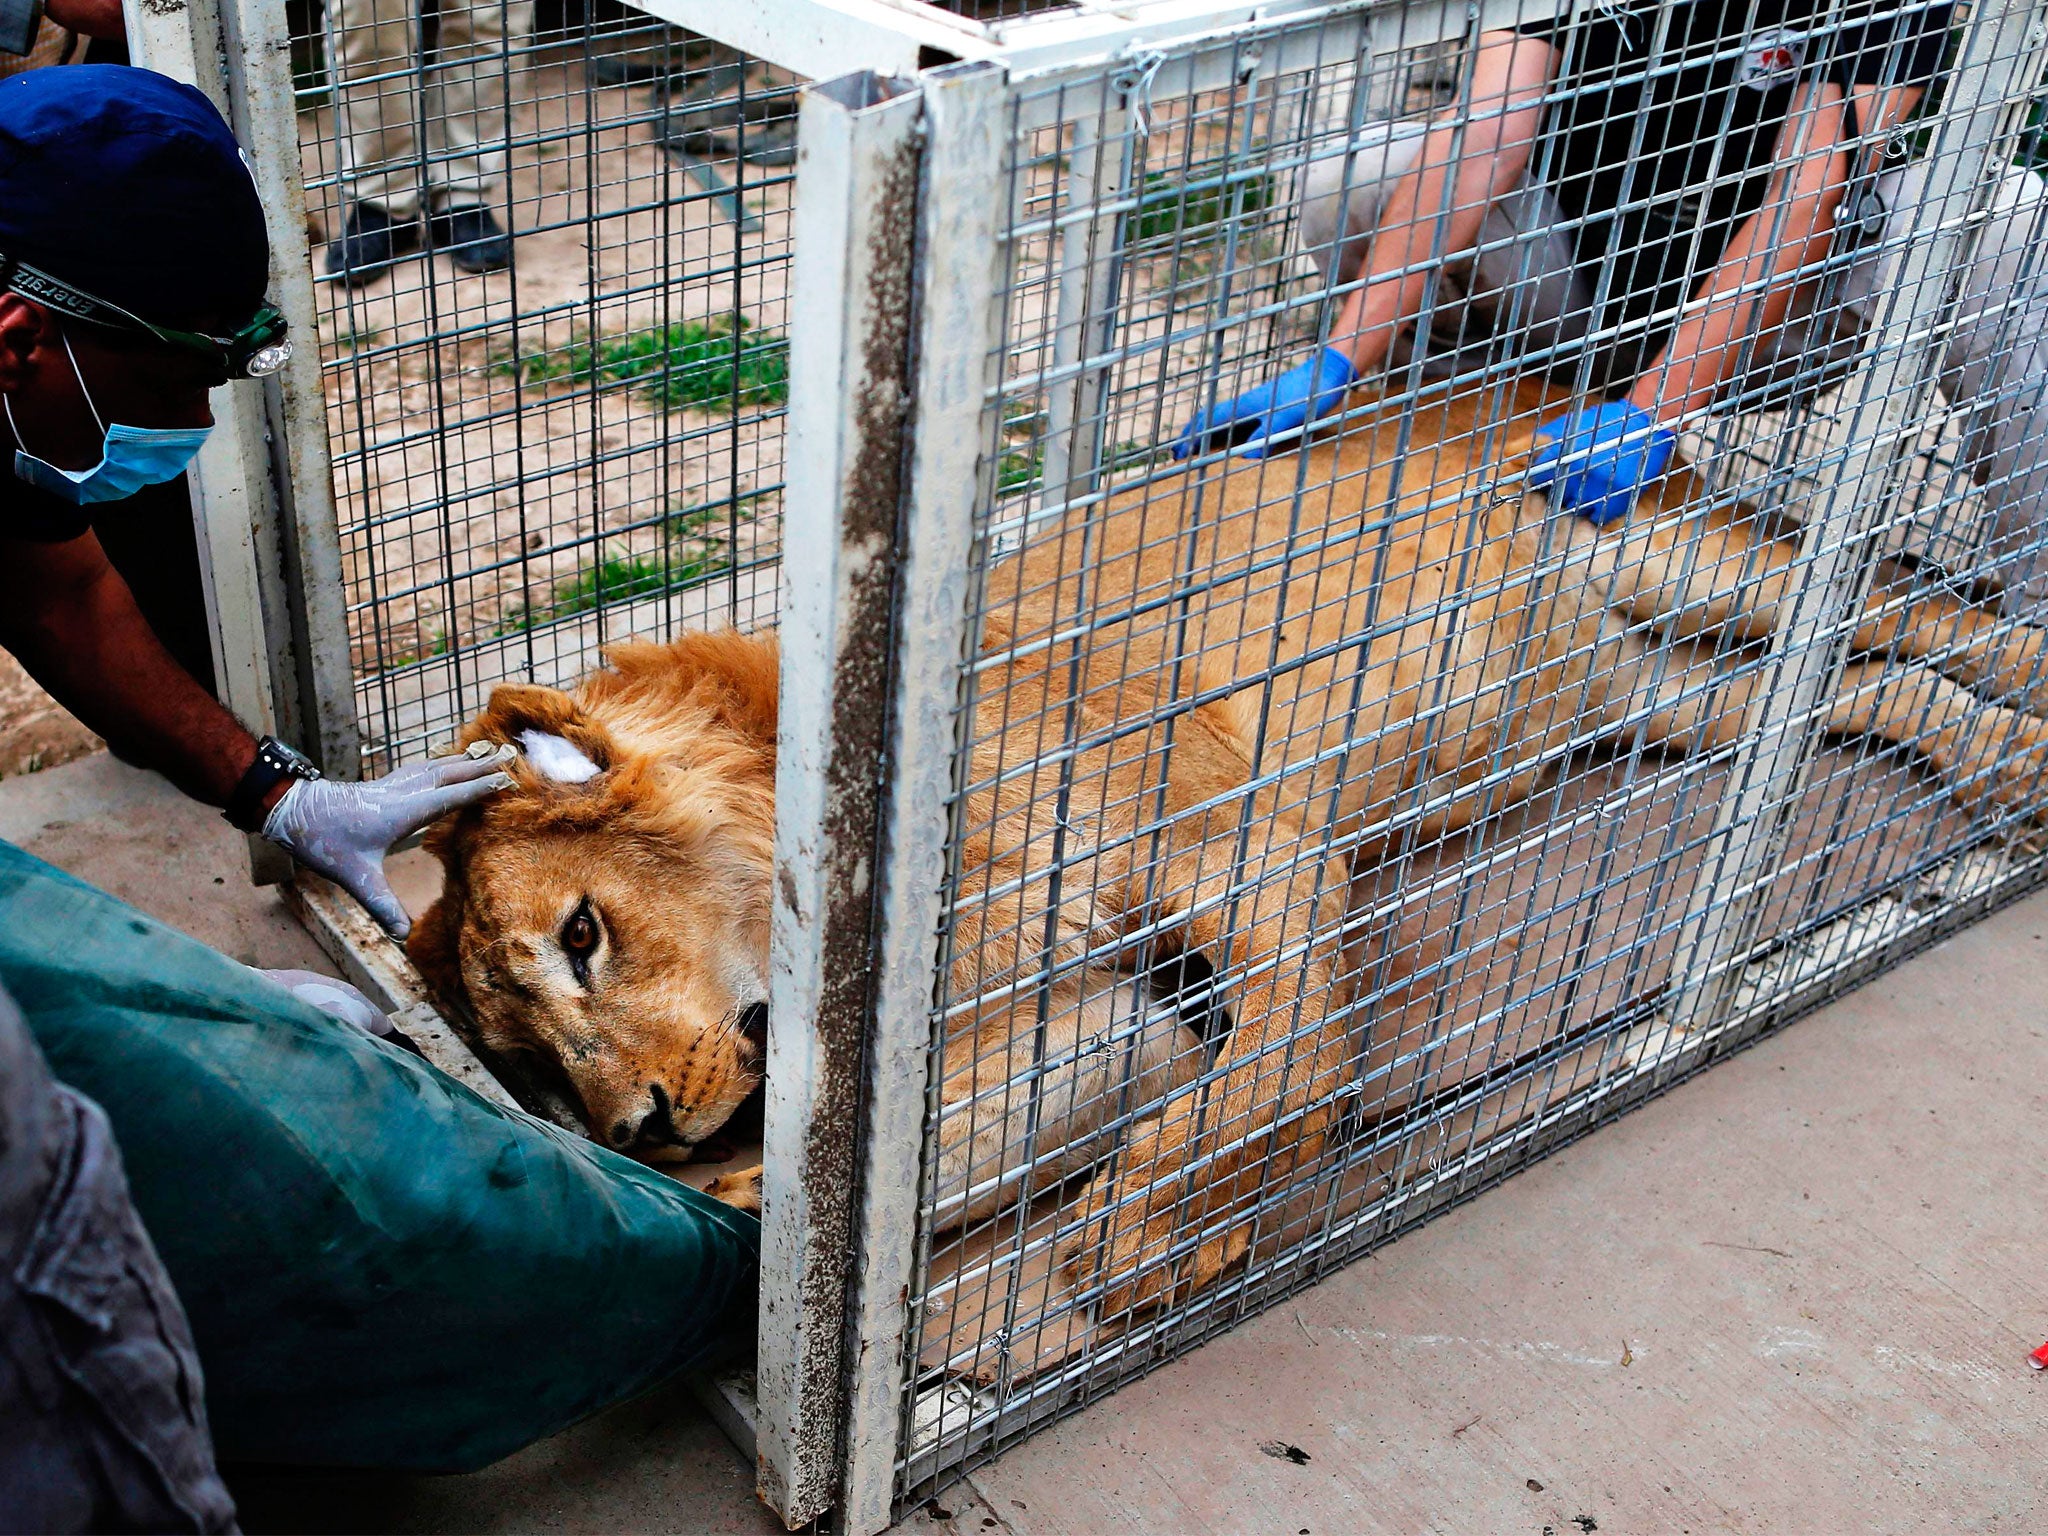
{"x": 93, "y": 18}
{"x": 70, "y": 619}
{"x": 1751, "y": 288}
{"x": 1465, "y": 164}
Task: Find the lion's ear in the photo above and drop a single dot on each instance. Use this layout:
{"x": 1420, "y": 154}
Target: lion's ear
{"x": 734, "y": 673}
{"x": 560, "y": 741}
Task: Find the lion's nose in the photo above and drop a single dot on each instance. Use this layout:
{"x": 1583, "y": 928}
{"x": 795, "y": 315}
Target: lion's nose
{"x": 656, "y": 1128}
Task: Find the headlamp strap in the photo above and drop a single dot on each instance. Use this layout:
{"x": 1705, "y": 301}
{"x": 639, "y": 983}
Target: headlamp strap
{"x": 32, "y": 283}
{"x": 265, "y": 332}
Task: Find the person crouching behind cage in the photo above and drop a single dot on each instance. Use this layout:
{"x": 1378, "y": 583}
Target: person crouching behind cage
{"x": 1590, "y": 200}
{"x": 420, "y": 89}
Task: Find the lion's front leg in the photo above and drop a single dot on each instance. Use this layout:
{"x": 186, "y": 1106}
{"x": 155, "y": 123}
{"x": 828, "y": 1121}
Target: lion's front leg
{"x": 1144, "y": 1236}
{"x": 1174, "y": 1211}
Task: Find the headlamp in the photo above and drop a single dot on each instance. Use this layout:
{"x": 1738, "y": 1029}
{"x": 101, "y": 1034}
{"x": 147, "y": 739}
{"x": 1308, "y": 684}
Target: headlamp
{"x": 254, "y": 350}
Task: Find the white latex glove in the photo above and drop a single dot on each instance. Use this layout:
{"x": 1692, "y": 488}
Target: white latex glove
{"x": 343, "y": 830}
{"x": 336, "y": 999}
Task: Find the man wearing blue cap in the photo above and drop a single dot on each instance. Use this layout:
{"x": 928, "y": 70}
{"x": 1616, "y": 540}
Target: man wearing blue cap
{"x": 133, "y": 264}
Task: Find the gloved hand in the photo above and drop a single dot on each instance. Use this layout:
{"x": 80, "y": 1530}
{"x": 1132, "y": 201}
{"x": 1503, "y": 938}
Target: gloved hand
{"x": 1271, "y": 418}
{"x": 342, "y": 830}
{"x": 1601, "y": 458}
{"x": 337, "y": 999}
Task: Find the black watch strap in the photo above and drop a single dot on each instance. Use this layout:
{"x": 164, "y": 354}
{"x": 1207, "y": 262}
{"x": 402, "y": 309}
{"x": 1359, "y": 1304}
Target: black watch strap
{"x": 275, "y": 762}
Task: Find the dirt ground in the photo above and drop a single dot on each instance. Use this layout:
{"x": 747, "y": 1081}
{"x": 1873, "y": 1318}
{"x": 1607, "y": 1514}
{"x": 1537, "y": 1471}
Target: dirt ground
{"x": 516, "y": 452}
{"x": 36, "y": 732}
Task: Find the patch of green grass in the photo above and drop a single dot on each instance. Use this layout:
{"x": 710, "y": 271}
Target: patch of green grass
{"x": 354, "y": 340}
{"x": 711, "y": 519}
{"x": 698, "y": 365}
{"x": 614, "y": 579}
{"x": 1133, "y": 456}
{"x": 697, "y": 550}
{"x": 1018, "y": 468}
{"x": 1195, "y": 207}
{"x": 438, "y": 646}
{"x": 1021, "y": 464}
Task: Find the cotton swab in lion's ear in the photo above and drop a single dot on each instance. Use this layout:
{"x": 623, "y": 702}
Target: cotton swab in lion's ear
{"x": 557, "y": 759}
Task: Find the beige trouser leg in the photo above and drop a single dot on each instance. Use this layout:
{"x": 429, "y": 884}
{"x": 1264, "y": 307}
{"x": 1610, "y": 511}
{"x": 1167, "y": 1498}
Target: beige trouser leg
{"x": 1997, "y": 371}
{"x": 421, "y": 96}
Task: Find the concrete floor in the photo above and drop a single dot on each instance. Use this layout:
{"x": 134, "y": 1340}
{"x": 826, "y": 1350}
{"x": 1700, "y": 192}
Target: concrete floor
{"x": 1795, "y": 1295}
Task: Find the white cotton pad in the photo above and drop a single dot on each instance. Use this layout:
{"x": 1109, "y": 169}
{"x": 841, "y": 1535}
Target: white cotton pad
{"x": 555, "y": 758}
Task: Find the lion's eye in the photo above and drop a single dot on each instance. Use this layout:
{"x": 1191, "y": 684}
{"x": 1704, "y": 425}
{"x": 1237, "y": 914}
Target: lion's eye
{"x": 579, "y": 934}
{"x": 579, "y": 938}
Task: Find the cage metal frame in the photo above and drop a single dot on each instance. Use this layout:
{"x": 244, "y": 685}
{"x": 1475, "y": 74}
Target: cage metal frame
{"x": 913, "y": 139}
{"x": 1734, "y": 986}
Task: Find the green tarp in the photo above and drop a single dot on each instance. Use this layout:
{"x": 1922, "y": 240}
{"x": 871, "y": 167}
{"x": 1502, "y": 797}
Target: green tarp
{"x": 381, "y": 1268}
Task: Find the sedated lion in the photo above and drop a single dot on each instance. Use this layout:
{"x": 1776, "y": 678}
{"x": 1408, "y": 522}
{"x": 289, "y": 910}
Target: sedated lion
{"x": 1380, "y": 651}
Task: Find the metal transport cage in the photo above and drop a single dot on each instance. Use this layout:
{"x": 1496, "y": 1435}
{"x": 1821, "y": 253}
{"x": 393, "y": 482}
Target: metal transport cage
{"x": 1193, "y": 869}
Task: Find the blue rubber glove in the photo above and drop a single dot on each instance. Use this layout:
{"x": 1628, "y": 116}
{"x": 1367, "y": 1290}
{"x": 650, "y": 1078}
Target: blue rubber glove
{"x": 1271, "y": 418}
{"x": 1600, "y": 459}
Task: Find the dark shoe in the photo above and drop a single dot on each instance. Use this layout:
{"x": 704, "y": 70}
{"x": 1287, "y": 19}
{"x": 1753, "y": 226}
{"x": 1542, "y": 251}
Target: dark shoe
{"x": 707, "y": 118}
{"x": 472, "y": 239}
{"x": 639, "y": 61}
{"x": 370, "y": 241}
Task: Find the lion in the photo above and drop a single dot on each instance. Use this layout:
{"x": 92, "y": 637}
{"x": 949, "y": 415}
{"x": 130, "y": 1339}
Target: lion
{"x": 1274, "y": 689}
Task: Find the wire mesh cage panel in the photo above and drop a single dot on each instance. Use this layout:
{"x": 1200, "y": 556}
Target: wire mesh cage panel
{"x": 1336, "y": 828}
{"x": 551, "y": 250}
{"x": 1379, "y": 583}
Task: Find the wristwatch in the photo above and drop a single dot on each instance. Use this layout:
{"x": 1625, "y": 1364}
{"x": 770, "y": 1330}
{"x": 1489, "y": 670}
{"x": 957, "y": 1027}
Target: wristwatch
{"x": 275, "y": 762}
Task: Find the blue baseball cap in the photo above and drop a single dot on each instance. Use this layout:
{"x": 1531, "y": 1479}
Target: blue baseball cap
{"x": 128, "y": 185}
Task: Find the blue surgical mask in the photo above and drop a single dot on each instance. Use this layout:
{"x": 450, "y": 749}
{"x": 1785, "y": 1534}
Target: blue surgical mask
{"x": 130, "y": 457}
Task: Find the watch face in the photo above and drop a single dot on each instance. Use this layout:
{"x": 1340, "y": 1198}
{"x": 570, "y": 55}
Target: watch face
{"x": 291, "y": 759}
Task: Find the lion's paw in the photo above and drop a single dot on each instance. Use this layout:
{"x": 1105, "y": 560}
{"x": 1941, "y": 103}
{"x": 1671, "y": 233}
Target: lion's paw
{"x": 1141, "y": 1263}
{"x": 2003, "y": 771}
{"x": 741, "y": 1191}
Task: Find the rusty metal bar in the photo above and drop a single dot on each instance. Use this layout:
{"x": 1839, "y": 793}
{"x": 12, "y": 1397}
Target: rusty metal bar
{"x": 849, "y": 398}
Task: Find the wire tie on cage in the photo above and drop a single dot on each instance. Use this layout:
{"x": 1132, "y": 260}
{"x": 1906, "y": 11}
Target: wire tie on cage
{"x": 1436, "y": 1156}
{"x": 1348, "y": 1117}
{"x": 1616, "y": 11}
{"x": 1005, "y": 1363}
{"x": 1133, "y": 82}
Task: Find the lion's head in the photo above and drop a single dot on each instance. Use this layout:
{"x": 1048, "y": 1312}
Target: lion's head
{"x": 609, "y": 914}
